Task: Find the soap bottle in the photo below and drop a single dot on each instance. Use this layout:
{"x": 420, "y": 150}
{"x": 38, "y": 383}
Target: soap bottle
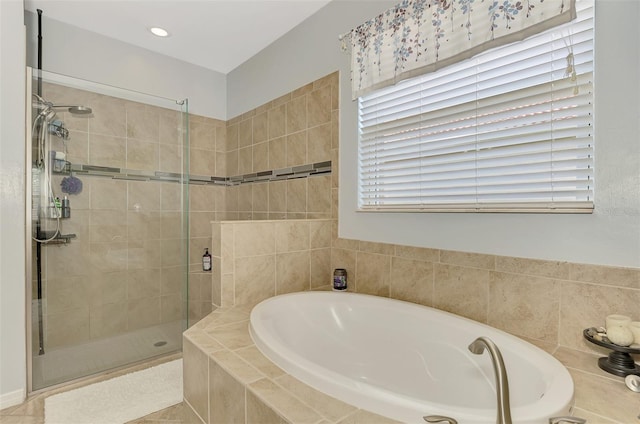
{"x": 206, "y": 260}
{"x": 66, "y": 208}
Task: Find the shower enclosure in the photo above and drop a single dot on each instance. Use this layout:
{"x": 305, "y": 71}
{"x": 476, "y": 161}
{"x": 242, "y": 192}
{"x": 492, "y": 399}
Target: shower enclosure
{"x": 108, "y": 220}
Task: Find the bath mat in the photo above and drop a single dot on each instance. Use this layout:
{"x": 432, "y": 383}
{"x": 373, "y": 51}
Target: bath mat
{"x": 120, "y": 399}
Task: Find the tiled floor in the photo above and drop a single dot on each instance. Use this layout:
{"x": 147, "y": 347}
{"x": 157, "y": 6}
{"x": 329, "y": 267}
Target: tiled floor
{"x": 32, "y": 411}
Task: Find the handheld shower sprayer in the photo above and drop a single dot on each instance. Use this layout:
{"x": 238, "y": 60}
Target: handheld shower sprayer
{"x": 44, "y": 122}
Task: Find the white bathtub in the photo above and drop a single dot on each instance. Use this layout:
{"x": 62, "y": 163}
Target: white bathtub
{"x": 404, "y": 361}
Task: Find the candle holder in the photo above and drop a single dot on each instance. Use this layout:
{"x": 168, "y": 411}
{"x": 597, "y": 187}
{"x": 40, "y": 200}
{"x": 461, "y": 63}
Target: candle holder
{"x": 619, "y": 362}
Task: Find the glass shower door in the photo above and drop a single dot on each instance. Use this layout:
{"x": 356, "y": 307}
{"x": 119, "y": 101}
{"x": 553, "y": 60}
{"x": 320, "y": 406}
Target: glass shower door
{"x": 109, "y": 227}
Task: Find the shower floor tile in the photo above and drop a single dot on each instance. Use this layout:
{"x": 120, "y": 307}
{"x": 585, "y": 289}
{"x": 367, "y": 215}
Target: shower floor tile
{"x": 63, "y": 364}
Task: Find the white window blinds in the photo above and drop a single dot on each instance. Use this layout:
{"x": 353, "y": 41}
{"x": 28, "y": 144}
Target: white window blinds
{"x": 508, "y": 130}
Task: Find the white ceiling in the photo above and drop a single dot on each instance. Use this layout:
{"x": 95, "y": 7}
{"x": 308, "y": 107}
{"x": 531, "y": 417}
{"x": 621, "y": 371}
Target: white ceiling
{"x": 215, "y": 34}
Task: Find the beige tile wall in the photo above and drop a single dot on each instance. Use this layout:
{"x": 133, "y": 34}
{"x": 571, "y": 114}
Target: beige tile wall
{"x": 296, "y": 129}
{"x": 546, "y": 302}
{"x": 124, "y": 270}
{"x": 207, "y": 138}
{"x": 255, "y": 260}
{"x": 536, "y": 300}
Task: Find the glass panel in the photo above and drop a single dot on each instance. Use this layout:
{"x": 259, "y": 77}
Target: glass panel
{"x": 109, "y": 221}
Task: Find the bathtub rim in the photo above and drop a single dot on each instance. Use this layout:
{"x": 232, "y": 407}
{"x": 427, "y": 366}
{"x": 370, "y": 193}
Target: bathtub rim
{"x": 330, "y": 382}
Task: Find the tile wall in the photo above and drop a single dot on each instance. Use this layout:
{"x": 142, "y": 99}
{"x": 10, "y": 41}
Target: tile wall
{"x": 207, "y": 141}
{"x": 255, "y": 260}
{"x": 298, "y": 128}
{"x": 545, "y": 302}
{"x": 123, "y": 270}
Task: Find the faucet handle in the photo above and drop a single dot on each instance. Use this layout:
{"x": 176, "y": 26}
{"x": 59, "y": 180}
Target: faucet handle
{"x": 439, "y": 419}
{"x": 567, "y": 419}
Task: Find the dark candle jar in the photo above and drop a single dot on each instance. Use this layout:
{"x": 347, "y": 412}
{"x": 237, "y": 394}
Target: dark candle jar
{"x": 340, "y": 279}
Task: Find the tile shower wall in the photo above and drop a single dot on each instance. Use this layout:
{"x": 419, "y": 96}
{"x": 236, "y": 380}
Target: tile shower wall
{"x": 123, "y": 270}
{"x": 207, "y": 139}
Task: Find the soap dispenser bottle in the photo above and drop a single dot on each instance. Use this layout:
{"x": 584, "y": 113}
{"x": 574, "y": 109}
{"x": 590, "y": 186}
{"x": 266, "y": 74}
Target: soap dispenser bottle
{"x": 66, "y": 208}
{"x": 206, "y": 260}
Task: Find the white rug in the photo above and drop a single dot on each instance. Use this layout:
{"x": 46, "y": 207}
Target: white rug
{"x": 120, "y": 399}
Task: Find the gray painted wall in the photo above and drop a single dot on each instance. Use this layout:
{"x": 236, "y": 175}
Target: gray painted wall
{"x": 72, "y": 51}
{"x": 308, "y": 52}
{"x": 13, "y": 367}
{"x": 609, "y": 236}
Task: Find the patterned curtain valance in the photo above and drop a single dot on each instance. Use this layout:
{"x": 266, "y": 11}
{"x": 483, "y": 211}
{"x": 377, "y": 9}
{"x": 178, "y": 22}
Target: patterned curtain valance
{"x": 419, "y": 36}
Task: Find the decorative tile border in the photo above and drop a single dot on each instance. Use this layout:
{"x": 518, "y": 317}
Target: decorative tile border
{"x": 302, "y": 171}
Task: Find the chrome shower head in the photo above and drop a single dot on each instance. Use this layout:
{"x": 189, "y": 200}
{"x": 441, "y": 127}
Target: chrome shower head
{"x": 75, "y": 109}
{"x": 80, "y": 110}
{"x": 72, "y": 109}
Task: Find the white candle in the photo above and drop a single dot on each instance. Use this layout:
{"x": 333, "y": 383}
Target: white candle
{"x": 617, "y": 321}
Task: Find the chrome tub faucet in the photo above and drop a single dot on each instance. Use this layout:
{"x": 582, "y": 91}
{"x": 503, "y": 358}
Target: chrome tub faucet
{"x": 500, "y": 372}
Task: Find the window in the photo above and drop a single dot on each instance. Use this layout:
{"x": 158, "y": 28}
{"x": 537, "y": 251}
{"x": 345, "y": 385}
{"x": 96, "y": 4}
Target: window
{"x": 507, "y": 130}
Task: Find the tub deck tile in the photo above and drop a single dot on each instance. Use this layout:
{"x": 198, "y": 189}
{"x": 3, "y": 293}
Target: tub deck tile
{"x": 283, "y": 402}
{"x": 271, "y": 395}
{"x": 329, "y": 407}
{"x": 236, "y": 366}
{"x": 205, "y": 342}
{"x": 253, "y": 356}
{"x": 593, "y": 393}
{"x": 260, "y": 412}
{"x": 224, "y": 316}
{"x": 232, "y": 336}
{"x": 365, "y": 417}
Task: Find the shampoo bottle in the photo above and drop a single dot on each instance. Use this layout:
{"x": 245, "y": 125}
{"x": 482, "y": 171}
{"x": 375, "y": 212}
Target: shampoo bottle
{"x": 206, "y": 260}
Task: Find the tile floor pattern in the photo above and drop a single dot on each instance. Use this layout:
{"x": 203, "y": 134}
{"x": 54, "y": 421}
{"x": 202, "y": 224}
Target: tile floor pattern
{"x": 32, "y": 411}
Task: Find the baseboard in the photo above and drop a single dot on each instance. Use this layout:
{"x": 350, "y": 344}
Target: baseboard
{"x": 12, "y": 398}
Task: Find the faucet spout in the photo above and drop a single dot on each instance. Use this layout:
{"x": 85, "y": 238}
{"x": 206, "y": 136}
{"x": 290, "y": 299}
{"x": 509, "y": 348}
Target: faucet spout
{"x": 500, "y": 372}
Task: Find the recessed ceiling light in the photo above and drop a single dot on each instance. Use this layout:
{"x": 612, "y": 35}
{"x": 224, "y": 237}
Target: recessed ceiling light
{"x": 160, "y": 32}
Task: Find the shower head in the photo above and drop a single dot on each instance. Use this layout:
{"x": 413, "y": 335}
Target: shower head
{"x": 75, "y": 109}
{"x": 72, "y": 109}
{"x": 80, "y": 110}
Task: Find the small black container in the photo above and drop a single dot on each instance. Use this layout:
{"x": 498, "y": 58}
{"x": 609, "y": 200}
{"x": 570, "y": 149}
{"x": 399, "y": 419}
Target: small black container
{"x": 340, "y": 279}
{"x": 206, "y": 260}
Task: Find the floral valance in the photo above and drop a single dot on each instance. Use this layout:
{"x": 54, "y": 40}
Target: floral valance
{"x": 419, "y": 36}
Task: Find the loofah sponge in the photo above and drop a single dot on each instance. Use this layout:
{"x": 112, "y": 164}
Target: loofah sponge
{"x": 71, "y": 185}
{"x": 621, "y": 336}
